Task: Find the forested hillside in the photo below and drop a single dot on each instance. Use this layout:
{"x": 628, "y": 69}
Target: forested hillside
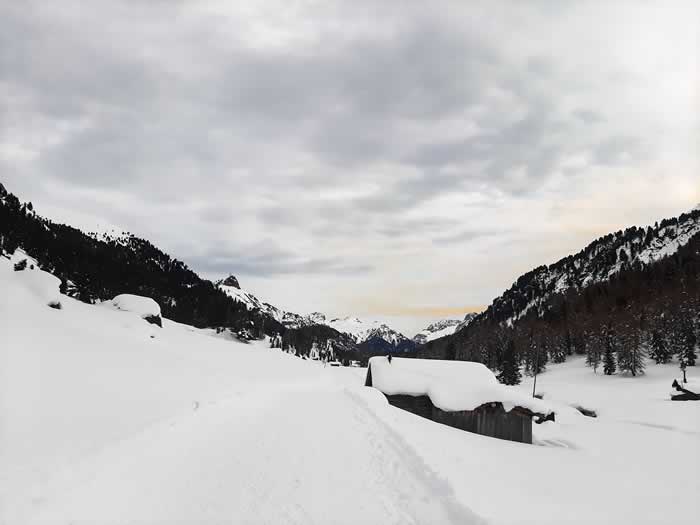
{"x": 627, "y": 295}
{"x": 93, "y": 269}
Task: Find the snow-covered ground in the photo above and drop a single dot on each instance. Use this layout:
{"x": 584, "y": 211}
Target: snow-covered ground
{"x": 106, "y": 418}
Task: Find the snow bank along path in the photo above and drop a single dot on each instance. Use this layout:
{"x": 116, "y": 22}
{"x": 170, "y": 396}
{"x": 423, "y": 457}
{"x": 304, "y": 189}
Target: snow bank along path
{"x": 105, "y": 418}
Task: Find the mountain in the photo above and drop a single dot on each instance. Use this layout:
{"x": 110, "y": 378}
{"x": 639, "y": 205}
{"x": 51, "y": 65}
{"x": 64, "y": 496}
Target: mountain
{"x": 626, "y": 293}
{"x": 99, "y": 267}
{"x": 232, "y": 288}
{"x": 365, "y": 331}
{"x": 442, "y": 328}
{"x": 348, "y": 332}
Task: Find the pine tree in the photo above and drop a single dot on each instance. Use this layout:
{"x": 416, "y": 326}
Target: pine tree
{"x": 630, "y": 354}
{"x": 609, "y": 365}
{"x": 536, "y": 357}
{"x": 593, "y": 354}
{"x": 688, "y": 342}
{"x": 510, "y": 368}
{"x": 451, "y": 351}
{"x": 659, "y": 350}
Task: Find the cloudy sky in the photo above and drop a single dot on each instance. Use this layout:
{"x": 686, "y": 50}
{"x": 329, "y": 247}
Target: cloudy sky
{"x": 395, "y": 160}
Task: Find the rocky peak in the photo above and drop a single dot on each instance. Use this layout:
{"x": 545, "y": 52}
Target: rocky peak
{"x": 231, "y": 281}
{"x": 316, "y": 318}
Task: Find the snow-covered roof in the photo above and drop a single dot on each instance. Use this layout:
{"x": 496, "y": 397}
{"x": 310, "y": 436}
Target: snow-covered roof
{"x": 450, "y": 385}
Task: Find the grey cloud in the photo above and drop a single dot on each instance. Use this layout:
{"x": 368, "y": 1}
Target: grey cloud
{"x": 190, "y": 112}
{"x": 466, "y": 236}
{"x": 273, "y": 264}
{"x": 618, "y": 150}
{"x": 588, "y": 116}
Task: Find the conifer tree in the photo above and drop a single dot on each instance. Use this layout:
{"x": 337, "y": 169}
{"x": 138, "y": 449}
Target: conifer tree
{"x": 659, "y": 350}
{"x": 593, "y": 354}
{"x": 451, "y": 351}
{"x": 689, "y": 340}
{"x": 609, "y": 365}
{"x": 510, "y": 368}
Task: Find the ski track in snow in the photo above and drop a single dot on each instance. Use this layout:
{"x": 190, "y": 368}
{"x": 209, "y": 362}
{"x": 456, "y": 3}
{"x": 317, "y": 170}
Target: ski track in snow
{"x": 180, "y": 470}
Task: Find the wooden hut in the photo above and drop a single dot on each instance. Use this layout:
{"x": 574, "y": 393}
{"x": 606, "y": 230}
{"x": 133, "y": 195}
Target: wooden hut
{"x": 460, "y": 394}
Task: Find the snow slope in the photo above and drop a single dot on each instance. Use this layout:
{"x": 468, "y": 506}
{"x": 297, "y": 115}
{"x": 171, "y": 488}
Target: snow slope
{"x": 105, "y": 418}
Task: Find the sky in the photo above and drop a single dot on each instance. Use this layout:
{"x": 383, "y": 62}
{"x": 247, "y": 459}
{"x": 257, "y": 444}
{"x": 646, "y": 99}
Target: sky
{"x": 401, "y": 161}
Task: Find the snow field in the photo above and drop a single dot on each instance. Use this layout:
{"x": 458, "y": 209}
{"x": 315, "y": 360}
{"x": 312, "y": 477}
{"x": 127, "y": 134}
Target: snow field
{"x": 105, "y": 418}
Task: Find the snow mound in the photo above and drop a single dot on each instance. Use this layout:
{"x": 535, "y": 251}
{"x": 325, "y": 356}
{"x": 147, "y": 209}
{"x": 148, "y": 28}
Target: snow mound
{"x": 451, "y": 385}
{"x": 143, "y": 306}
{"x": 42, "y": 285}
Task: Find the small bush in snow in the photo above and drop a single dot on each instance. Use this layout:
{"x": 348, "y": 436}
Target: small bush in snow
{"x": 55, "y": 305}
{"x": 21, "y": 265}
{"x": 154, "y": 319}
{"x": 586, "y": 411}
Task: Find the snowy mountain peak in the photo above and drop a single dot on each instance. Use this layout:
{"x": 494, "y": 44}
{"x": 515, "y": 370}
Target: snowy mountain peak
{"x": 316, "y": 318}
{"x": 386, "y": 333}
{"x": 442, "y": 328}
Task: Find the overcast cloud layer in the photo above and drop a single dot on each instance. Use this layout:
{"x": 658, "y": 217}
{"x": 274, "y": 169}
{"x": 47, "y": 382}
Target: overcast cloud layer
{"x": 386, "y": 159}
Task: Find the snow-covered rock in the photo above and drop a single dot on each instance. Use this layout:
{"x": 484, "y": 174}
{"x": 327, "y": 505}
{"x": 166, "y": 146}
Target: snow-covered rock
{"x": 144, "y": 307}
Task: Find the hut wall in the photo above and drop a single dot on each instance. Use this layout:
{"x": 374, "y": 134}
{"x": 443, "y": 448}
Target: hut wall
{"x": 490, "y": 419}
{"x": 419, "y": 405}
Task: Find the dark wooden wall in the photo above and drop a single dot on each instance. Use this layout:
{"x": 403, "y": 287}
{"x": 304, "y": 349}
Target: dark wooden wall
{"x": 490, "y": 419}
{"x": 420, "y": 405}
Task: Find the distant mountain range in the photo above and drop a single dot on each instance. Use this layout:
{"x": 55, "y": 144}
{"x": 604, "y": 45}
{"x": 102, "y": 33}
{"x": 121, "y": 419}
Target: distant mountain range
{"x": 371, "y": 338}
{"x": 624, "y": 289}
{"x": 368, "y": 337}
